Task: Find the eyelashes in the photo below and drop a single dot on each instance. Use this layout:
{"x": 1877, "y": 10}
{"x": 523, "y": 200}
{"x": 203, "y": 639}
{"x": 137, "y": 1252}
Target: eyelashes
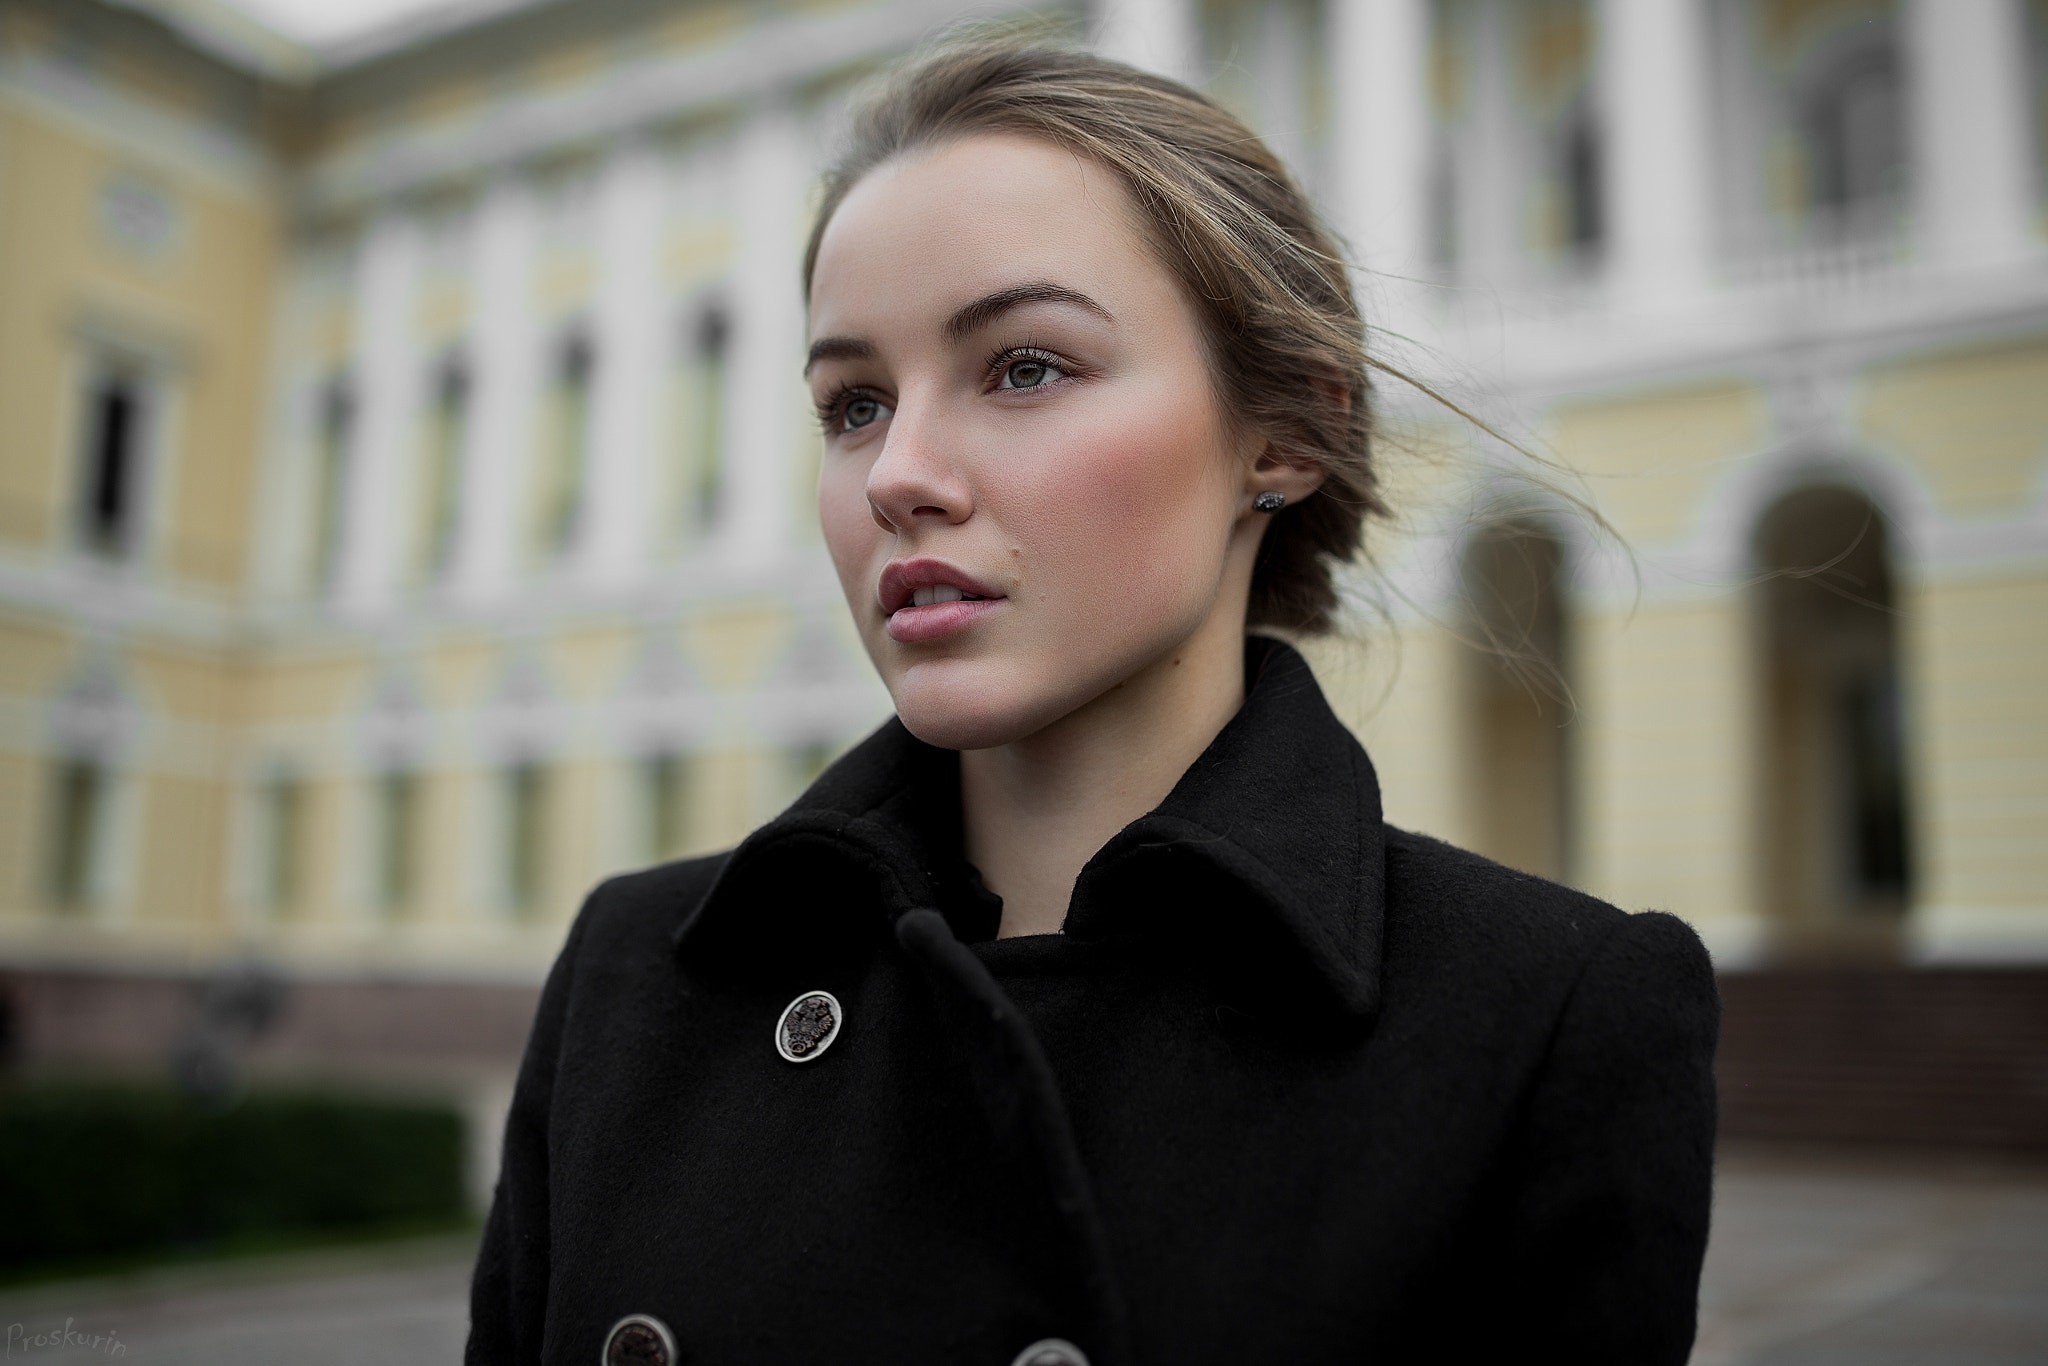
{"x": 832, "y": 410}
{"x": 847, "y": 400}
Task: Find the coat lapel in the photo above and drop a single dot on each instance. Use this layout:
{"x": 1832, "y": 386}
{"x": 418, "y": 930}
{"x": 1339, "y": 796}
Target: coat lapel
{"x": 1269, "y": 853}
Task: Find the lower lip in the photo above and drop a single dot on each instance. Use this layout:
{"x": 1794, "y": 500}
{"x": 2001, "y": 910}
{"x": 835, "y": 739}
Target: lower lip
{"x": 908, "y": 625}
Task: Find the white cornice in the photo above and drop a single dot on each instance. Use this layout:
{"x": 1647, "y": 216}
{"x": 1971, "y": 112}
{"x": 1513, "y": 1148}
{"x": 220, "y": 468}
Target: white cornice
{"x": 97, "y": 110}
{"x": 773, "y": 56}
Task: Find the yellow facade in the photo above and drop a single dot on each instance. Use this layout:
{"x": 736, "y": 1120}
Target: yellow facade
{"x": 253, "y": 745}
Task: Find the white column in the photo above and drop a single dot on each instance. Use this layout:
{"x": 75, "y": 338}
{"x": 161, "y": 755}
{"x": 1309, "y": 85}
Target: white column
{"x": 764, "y": 392}
{"x": 631, "y": 343}
{"x": 504, "y": 375}
{"x": 387, "y": 386}
{"x": 1652, "y": 78}
{"x": 1380, "y": 144}
{"x": 1972, "y": 165}
{"x": 1156, "y": 35}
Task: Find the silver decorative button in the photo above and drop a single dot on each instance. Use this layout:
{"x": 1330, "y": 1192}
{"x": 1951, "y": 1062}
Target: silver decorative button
{"x": 1051, "y": 1352}
{"x": 808, "y": 1026}
{"x": 639, "y": 1340}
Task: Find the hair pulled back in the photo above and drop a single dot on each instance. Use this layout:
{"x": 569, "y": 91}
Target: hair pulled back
{"x": 1282, "y": 328}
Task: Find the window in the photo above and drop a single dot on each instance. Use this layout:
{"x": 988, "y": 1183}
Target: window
{"x": 1580, "y": 176}
{"x": 1518, "y": 766}
{"x": 78, "y": 831}
{"x": 525, "y": 850}
{"x": 110, "y": 505}
{"x": 1839, "y": 866}
{"x": 280, "y": 814}
{"x": 1852, "y": 129}
{"x": 333, "y": 428}
{"x": 700, "y": 419}
{"x": 447, "y": 431}
{"x": 397, "y": 840}
{"x": 667, "y": 780}
{"x": 565, "y": 451}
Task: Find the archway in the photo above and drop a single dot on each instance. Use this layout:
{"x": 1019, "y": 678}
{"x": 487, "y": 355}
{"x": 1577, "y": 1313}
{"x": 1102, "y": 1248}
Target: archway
{"x": 1837, "y": 863}
{"x": 1517, "y": 699}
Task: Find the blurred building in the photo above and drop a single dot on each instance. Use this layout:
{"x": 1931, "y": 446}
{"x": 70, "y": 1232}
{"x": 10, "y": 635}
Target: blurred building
{"x": 406, "y": 491}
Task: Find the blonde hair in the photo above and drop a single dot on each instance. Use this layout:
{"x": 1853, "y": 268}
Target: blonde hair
{"x": 1284, "y": 336}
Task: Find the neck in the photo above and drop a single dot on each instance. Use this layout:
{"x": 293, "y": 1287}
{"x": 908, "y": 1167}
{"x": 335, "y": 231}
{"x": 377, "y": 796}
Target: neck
{"x": 1036, "y": 810}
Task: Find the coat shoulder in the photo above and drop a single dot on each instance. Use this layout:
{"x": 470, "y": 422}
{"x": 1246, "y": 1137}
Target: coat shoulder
{"x": 629, "y": 912}
{"x": 1454, "y": 906}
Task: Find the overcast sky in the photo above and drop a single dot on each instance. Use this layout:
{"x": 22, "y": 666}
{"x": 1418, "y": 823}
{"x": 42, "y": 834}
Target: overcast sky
{"x": 325, "y": 21}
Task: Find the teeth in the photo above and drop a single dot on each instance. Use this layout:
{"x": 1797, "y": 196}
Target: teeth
{"x": 939, "y": 592}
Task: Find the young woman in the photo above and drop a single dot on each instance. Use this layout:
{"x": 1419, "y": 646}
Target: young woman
{"x": 1089, "y": 1011}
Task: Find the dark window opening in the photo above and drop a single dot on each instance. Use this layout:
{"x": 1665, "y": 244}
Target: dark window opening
{"x": 525, "y": 836}
{"x": 668, "y": 778}
{"x": 113, "y": 463}
{"x": 1853, "y": 124}
{"x": 449, "y": 435}
{"x": 563, "y": 511}
{"x": 706, "y": 434}
{"x": 330, "y": 512}
{"x": 1584, "y": 225}
{"x": 397, "y": 852}
{"x": 284, "y": 810}
{"x": 79, "y": 802}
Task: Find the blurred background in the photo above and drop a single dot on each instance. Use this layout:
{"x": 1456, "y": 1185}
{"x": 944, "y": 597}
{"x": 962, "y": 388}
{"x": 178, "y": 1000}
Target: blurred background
{"x": 406, "y": 520}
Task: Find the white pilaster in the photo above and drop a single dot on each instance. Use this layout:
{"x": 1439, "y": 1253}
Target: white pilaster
{"x": 387, "y": 392}
{"x": 1651, "y": 78}
{"x": 1972, "y": 169}
{"x": 1380, "y": 144}
{"x": 630, "y": 346}
{"x": 1155, "y": 35}
{"x": 505, "y": 358}
{"x": 765, "y": 391}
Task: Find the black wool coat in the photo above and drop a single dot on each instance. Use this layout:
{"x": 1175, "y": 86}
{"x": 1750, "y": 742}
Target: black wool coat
{"x": 1292, "y": 1085}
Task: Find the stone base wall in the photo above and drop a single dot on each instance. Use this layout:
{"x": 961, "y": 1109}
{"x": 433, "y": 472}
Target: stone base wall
{"x": 1947, "y": 1057}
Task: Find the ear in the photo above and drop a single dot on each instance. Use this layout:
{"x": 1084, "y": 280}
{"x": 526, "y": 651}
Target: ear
{"x": 1271, "y": 473}
{"x": 1296, "y": 480}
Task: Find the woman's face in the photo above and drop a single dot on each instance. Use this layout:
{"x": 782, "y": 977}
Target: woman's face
{"x": 1027, "y": 490}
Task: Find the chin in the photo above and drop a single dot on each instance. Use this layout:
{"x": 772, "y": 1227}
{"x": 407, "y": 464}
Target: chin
{"x": 956, "y": 705}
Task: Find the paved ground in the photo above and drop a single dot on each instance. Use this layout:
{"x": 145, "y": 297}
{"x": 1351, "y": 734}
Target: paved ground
{"x": 1817, "y": 1260}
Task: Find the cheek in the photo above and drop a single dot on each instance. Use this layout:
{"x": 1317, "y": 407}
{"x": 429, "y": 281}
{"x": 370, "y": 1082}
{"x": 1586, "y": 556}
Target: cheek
{"x": 847, "y": 524}
{"x": 1134, "y": 511}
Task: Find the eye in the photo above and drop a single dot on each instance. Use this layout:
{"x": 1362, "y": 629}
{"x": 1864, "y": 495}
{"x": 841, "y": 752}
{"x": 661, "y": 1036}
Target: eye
{"x": 850, "y": 409}
{"x": 863, "y": 409}
{"x": 1027, "y": 370}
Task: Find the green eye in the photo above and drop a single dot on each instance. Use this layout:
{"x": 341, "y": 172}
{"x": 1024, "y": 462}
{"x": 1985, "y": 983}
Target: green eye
{"x": 1027, "y": 374}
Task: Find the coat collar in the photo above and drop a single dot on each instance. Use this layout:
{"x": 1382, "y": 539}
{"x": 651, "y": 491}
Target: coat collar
{"x": 1269, "y": 851}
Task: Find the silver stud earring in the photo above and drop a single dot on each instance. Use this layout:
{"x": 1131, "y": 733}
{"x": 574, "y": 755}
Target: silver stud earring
{"x": 1272, "y": 500}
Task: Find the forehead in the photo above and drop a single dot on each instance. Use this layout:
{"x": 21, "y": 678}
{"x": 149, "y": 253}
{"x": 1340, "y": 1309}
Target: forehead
{"x": 922, "y": 233}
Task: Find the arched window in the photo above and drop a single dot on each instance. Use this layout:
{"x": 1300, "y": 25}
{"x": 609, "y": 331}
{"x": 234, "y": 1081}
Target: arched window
{"x": 1518, "y": 761}
{"x": 1837, "y": 865}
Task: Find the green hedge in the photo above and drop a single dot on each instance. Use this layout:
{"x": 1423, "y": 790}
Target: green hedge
{"x": 98, "y": 1169}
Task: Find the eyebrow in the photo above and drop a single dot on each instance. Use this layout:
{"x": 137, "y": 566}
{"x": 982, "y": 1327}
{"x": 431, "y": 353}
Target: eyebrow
{"x": 967, "y": 319}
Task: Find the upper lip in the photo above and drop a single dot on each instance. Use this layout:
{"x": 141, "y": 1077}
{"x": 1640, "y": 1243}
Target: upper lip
{"x": 901, "y": 578}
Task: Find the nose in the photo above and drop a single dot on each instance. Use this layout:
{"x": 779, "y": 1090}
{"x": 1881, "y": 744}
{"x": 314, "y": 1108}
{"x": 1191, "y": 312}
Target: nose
{"x": 914, "y": 481}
